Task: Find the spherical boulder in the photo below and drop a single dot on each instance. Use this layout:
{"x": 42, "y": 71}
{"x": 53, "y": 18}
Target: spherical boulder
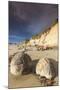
{"x": 45, "y": 68}
{"x": 20, "y": 63}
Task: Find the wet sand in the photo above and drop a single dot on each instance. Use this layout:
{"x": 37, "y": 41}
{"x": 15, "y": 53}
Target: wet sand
{"x": 32, "y": 80}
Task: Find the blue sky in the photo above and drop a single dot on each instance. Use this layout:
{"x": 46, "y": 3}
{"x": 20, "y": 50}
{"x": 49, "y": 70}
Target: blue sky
{"x": 27, "y": 19}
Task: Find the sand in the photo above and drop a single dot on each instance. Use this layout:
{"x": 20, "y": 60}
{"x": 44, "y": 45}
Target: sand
{"x": 32, "y": 80}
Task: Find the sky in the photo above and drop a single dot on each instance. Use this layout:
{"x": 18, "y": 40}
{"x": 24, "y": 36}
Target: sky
{"x": 28, "y": 19}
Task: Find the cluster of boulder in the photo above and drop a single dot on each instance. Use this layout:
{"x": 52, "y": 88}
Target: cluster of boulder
{"x": 21, "y": 63}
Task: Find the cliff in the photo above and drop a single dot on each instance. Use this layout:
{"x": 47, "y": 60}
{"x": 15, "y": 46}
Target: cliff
{"x": 47, "y": 38}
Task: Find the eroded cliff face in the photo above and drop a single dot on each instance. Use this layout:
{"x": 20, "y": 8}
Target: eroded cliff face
{"x": 48, "y": 37}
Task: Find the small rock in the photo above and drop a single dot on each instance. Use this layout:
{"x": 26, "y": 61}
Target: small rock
{"x": 46, "y": 82}
{"x": 45, "y": 68}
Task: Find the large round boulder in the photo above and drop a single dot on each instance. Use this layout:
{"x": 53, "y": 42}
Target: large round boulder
{"x": 45, "y": 68}
{"x": 20, "y": 63}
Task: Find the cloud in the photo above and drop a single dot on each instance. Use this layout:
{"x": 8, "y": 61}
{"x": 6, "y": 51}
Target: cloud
{"x": 30, "y": 11}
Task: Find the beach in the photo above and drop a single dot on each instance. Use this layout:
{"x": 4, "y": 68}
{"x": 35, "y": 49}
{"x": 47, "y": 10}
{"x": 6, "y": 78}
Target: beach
{"x": 31, "y": 79}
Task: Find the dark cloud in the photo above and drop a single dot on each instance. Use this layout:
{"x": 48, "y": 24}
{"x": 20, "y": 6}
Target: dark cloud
{"x": 30, "y": 11}
{"x": 26, "y": 19}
